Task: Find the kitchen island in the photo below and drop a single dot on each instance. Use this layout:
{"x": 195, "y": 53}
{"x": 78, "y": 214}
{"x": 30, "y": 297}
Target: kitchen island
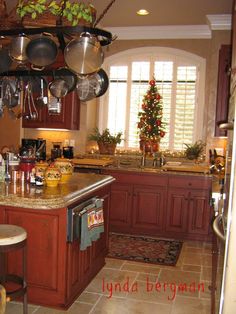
{"x": 58, "y": 271}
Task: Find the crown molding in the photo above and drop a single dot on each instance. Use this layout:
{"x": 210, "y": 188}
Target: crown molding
{"x": 214, "y": 22}
{"x": 219, "y": 21}
{"x": 161, "y": 32}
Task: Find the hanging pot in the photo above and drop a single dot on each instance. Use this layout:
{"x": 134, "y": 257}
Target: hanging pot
{"x": 18, "y": 46}
{"x": 84, "y": 55}
{"x": 58, "y": 88}
{"x": 68, "y": 76}
{"x": 103, "y": 83}
{"x": 92, "y": 86}
{"x": 42, "y": 51}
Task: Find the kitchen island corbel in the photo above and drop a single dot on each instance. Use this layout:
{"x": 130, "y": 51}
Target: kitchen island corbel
{"x": 58, "y": 271}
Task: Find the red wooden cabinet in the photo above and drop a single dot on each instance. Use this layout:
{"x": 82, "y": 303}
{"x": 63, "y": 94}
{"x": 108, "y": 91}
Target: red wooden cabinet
{"x": 199, "y": 215}
{"x": 188, "y": 207}
{"x": 137, "y": 208}
{"x": 121, "y": 203}
{"x": 223, "y": 85}
{"x": 57, "y": 271}
{"x": 177, "y": 210}
{"x": 148, "y": 208}
{"x": 167, "y": 205}
{"x": 68, "y": 118}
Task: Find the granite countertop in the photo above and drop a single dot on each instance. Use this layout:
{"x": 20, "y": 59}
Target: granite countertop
{"x": 30, "y": 196}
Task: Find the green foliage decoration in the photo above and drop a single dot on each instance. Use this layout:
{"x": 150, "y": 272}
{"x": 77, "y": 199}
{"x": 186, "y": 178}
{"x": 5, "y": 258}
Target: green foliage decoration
{"x": 73, "y": 11}
{"x": 105, "y": 136}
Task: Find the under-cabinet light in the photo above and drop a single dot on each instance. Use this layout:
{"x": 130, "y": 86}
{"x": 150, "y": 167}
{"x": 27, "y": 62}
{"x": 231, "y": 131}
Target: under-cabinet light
{"x": 48, "y": 129}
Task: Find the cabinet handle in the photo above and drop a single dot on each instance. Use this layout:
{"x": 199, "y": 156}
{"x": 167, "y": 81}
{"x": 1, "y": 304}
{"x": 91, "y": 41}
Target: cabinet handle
{"x": 189, "y": 183}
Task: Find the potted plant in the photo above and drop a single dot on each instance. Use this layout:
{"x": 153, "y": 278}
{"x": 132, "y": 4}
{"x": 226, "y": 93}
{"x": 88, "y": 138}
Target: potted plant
{"x": 193, "y": 151}
{"x": 106, "y": 141}
{"x": 48, "y": 12}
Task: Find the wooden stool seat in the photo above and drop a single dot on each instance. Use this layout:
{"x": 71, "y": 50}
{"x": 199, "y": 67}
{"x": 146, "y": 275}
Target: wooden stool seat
{"x": 13, "y": 238}
{"x": 11, "y": 234}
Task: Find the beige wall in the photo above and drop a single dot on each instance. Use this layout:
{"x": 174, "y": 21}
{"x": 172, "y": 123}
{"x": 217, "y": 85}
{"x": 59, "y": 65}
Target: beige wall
{"x": 206, "y": 48}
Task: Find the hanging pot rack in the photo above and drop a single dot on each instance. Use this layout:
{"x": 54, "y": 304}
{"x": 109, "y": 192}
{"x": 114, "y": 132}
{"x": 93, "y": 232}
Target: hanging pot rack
{"x": 60, "y": 32}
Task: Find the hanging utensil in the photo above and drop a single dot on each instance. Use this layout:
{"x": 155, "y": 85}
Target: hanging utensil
{"x": 41, "y": 99}
{"x": 29, "y": 108}
{"x": 1, "y": 103}
{"x": 9, "y": 99}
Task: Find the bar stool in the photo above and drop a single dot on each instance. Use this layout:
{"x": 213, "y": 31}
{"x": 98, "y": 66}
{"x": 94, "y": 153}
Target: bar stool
{"x": 13, "y": 238}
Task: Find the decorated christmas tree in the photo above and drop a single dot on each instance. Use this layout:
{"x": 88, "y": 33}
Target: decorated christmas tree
{"x": 150, "y": 124}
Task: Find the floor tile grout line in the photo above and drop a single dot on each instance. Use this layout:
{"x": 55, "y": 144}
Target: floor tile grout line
{"x": 93, "y": 307}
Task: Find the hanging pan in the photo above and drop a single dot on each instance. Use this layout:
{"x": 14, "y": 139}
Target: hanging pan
{"x": 103, "y": 83}
{"x": 42, "y": 51}
{"x": 68, "y": 76}
{"x": 17, "y": 50}
{"x": 92, "y": 86}
{"x": 84, "y": 54}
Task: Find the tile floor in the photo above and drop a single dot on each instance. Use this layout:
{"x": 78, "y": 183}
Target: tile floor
{"x": 151, "y": 288}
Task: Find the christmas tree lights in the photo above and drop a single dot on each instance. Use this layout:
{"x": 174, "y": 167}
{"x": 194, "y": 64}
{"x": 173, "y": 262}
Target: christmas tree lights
{"x": 150, "y": 124}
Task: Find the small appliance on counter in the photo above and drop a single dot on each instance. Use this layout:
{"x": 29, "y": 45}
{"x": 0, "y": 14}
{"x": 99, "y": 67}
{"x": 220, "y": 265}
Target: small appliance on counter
{"x": 39, "y": 146}
{"x": 68, "y": 152}
{"x": 27, "y": 160}
{"x": 56, "y": 150}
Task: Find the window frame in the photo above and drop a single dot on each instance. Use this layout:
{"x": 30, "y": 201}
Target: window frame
{"x": 152, "y": 54}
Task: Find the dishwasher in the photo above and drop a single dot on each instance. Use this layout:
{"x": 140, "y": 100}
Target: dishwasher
{"x": 74, "y": 215}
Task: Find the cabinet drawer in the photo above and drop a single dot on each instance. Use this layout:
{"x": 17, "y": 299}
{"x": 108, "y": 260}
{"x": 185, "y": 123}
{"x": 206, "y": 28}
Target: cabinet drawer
{"x": 190, "y": 182}
{"x": 138, "y": 178}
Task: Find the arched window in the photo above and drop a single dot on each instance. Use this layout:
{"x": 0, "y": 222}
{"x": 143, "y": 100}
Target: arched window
{"x": 180, "y": 77}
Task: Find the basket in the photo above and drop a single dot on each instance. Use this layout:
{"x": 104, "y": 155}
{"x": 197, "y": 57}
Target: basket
{"x": 106, "y": 148}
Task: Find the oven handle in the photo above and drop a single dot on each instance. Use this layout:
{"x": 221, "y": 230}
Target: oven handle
{"x": 216, "y": 228}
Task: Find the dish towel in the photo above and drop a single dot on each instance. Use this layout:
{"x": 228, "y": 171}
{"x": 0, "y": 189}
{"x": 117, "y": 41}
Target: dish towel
{"x": 92, "y": 224}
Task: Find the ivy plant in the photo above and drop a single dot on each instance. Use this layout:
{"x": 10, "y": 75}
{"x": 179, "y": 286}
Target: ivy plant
{"x": 72, "y": 11}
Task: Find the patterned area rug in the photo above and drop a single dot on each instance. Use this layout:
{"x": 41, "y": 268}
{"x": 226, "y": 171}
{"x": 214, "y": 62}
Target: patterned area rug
{"x": 144, "y": 249}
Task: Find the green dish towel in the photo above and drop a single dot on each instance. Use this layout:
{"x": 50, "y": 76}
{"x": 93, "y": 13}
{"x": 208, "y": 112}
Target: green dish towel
{"x": 92, "y": 224}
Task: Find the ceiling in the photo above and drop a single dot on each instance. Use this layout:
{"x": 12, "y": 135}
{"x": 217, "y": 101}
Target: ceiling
{"x": 122, "y": 13}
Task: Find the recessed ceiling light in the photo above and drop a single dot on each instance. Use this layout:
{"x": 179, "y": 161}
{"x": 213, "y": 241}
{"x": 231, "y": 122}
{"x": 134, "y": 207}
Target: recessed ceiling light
{"x": 142, "y": 12}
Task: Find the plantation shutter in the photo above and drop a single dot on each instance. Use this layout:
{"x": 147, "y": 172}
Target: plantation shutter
{"x": 176, "y": 83}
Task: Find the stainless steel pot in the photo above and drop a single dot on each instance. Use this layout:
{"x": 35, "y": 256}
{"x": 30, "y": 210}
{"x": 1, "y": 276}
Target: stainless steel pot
{"x": 58, "y": 88}
{"x": 42, "y": 51}
{"x": 91, "y": 86}
{"x": 18, "y": 46}
{"x": 84, "y": 55}
{"x": 68, "y": 76}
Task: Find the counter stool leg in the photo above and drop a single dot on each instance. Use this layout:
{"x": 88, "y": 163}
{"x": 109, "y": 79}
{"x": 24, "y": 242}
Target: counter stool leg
{"x": 25, "y": 306}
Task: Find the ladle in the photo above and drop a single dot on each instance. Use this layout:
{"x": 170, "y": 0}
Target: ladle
{"x": 41, "y": 100}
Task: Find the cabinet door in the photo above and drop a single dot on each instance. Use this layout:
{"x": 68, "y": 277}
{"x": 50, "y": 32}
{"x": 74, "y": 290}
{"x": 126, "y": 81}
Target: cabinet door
{"x": 46, "y": 254}
{"x": 199, "y": 212}
{"x": 69, "y": 116}
{"x": 222, "y": 99}
{"x": 78, "y": 268}
{"x": 120, "y": 209}
{"x": 148, "y": 208}
{"x": 177, "y": 210}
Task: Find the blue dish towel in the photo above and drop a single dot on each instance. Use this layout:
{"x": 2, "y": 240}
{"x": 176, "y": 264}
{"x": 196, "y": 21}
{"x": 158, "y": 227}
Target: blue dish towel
{"x": 92, "y": 224}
